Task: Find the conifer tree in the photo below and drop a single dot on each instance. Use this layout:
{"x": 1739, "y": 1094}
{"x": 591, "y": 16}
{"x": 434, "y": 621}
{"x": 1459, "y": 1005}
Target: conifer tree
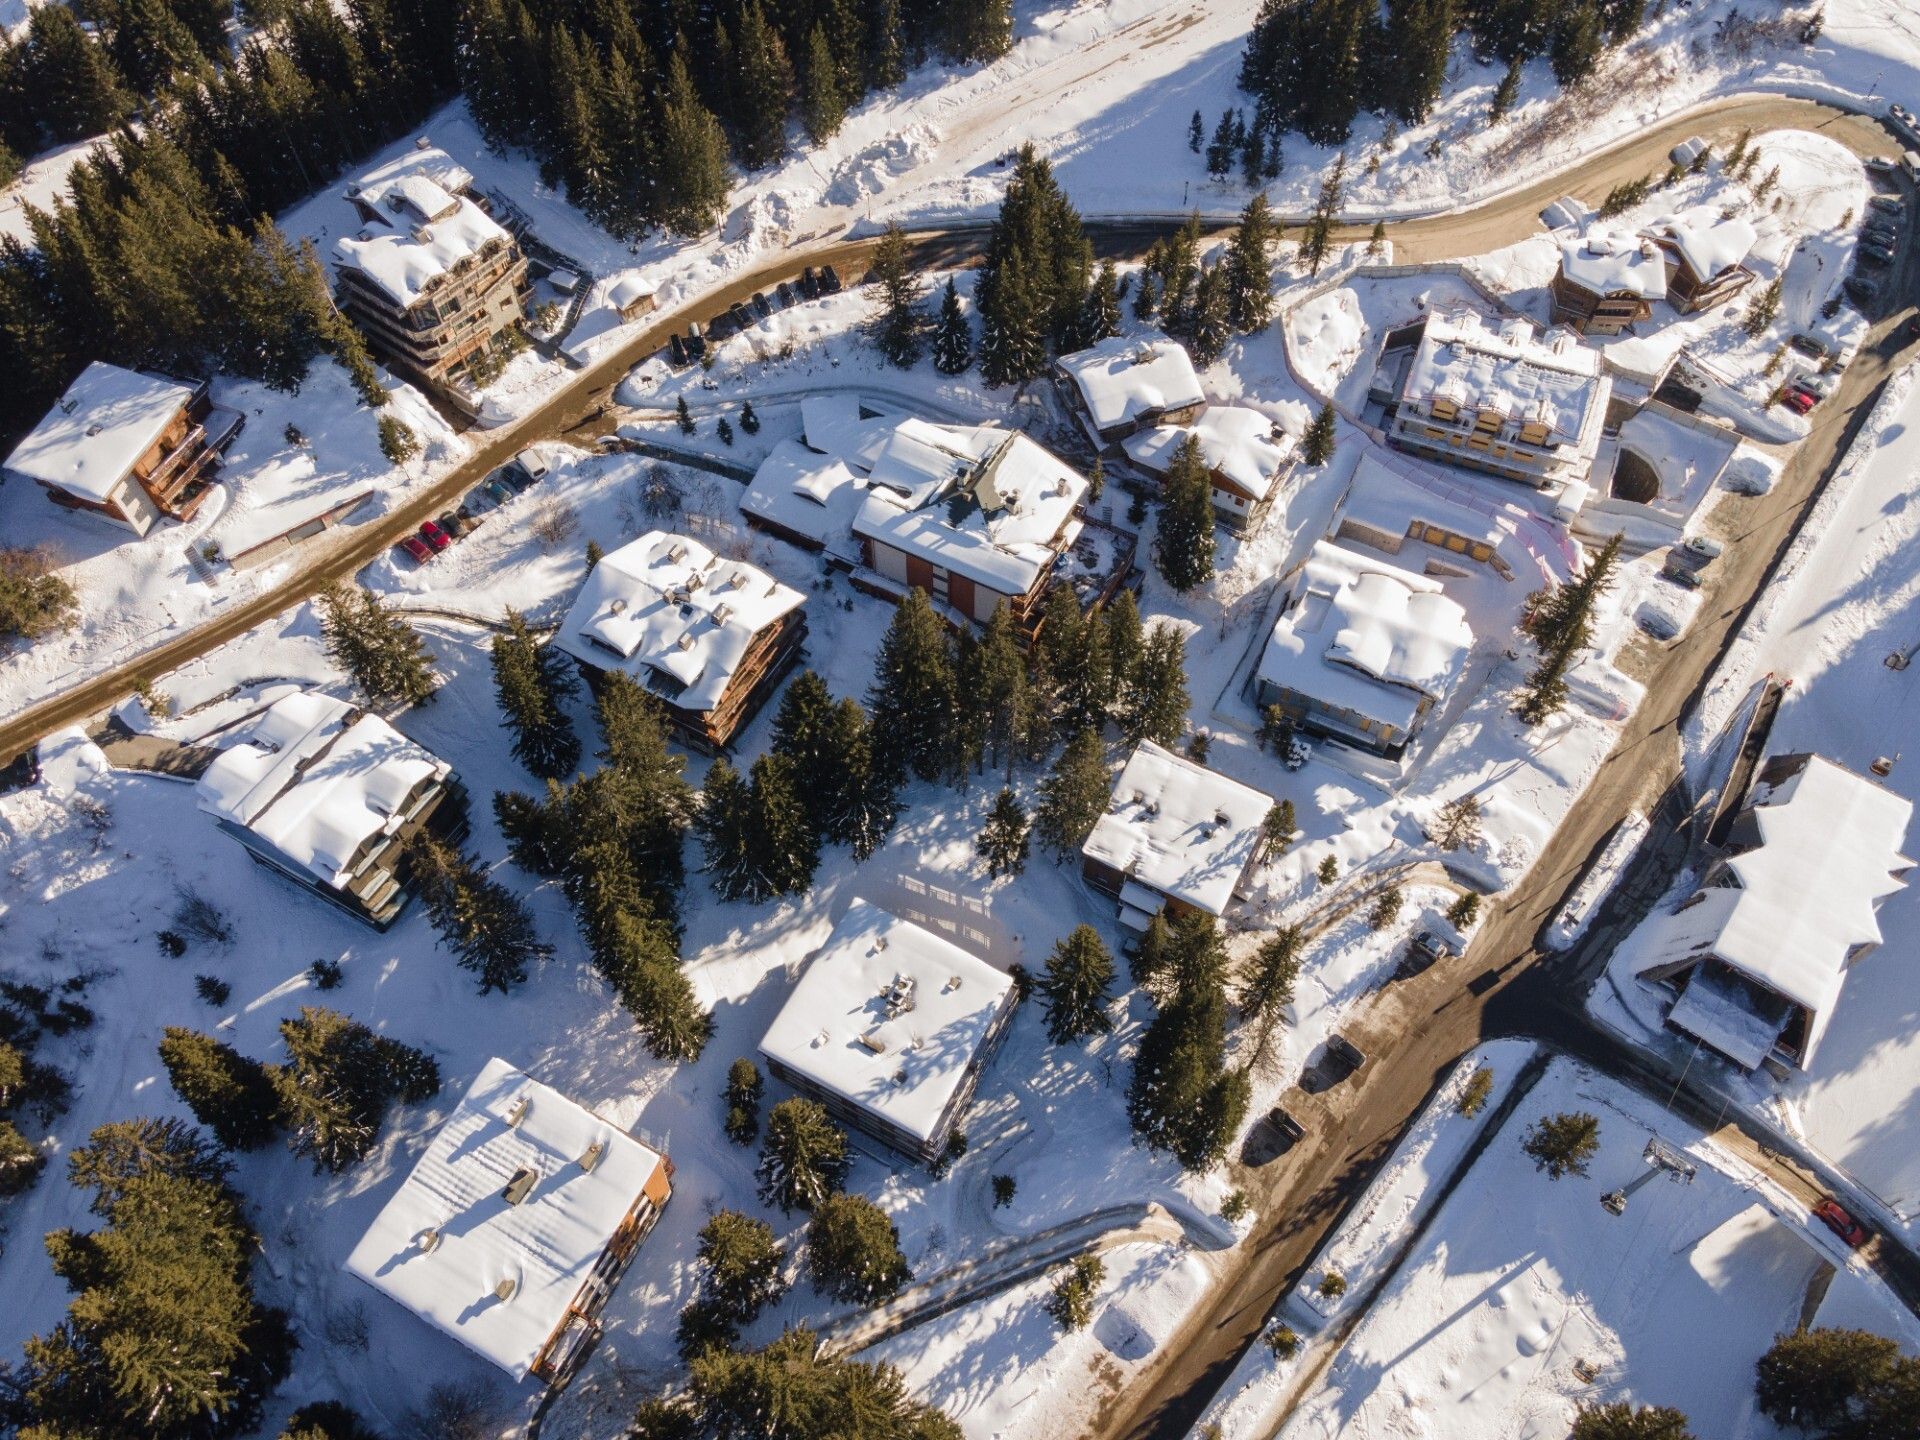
{"x": 1121, "y": 621}
{"x": 693, "y": 178}
{"x": 802, "y": 731}
{"x": 1817, "y": 1379}
{"x": 749, "y": 421}
{"x": 762, "y": 89}
{"x": 1074, "y": 989}
{"x": 897, "y": 319}
{"x": 1003, "y": 841}
{"x": 1073, "y": 659}
{"x": 1177, "y": 268}
{"x": 1012, "y": 344}
{"x": 77, "y": 89}
{"x": 820, "y": 1397}
{"x": 1464, "y": 911}
{"x": 486, "y": 925}
{"x": 1316, "y": 448}
{"x": 1220, "y": 147}
{"x": 1419, "y": 35}
{"x": 740, "y": 1268}
{"x": 1183, "y": 542}
{"x": 532, "y": 682}
{"x": 1196, "y": 133}
{"x": 1210, "y": 323}
{"x": 376, "y": 646}
{"x": 1249, "y": 267}
{"x": 1577, "y": 42}
{"x": 912, "y": 699}
{"x": 229, "y": 1094}
{"x": 1563, "y": 1144}
{"x": 1157, "y": 700}
{"x": 1183, "y": 1098}
{"x": 1508, "y": 90}
{"x": 338, "y": 1081}
{"x": 1100, "y": 314}
{"x": 978, "y": 29}
{"x": 863, "y": 803}
{"x": 1266, "y": 985}
{"x": 1074, "y": 796}
{"x": 953, "y": 335}
{"x": 804, "y": 1158}
{"x": 853, "y": 1251}
{"x": 326, "y": 1420}
{"x": 1278, "y": 829}
{"x": 1545, "y": 693}
{"x": 885, "y": 54}
{"x": 744, "y": 1088}
{"x": 1377, "y": 241}
{"x": 1071, "y": 1303}
{"x": 822, "y": 105}
{"x": 1621, "y": 1420}
{"x": 1032, "y": 284}
{"x": 1458, "y": 823}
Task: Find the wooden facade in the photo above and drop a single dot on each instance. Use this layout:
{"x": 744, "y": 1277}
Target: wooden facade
{"x": 572, "y": 1339}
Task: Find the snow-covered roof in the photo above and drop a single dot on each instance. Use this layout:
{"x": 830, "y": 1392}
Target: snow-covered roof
{"x": 106, "y": 421}
{"x": 1705, "y": 241}
{"x": 430, "y": 226}
{"x": 888, "y": 1016}
{"x": 627, "y": 287}
{"x": 1364, "y": 635}
{"x": 1126, "y": 377}
{"x": 1383, "y": 498}
{"x": 677, "y": 617}
{"x": 1179, "y": 829}
{"x": 1247, "y": 447}
{"x": 987, "y": 504}
{"x": 547, "y": 1244}
{"x": 1809, "y": 893}
{"x": 1609, "y": 263}
{"x": 804, "y": 491}
{"x": 318, "y": 780}
{"x": 1511, "y": 368}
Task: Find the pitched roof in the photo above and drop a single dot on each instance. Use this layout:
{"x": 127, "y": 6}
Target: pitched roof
{"x": 1179, "y": 829}
{"x": 1705, "y": 240}
{"x": 428, "y": 225}
{"x": 547, "y": 1244}
{"x": 1609, "y": 263}
{"x": 1247, "y": 447}
{"x": 1122, "y": 378}
{"x": 108, "y": 418}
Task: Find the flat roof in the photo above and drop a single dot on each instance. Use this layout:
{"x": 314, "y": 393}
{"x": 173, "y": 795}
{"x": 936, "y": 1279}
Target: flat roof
{"x": 1178, "y": 828}
{"x": 108, "y": 418}
{"x": 547, "y": 1244}
{"x": 1122, "y": 378}
{"x": 888, "y": 1016}
{"x": 1511, "y": 368}
{"x": 675, "y": 616}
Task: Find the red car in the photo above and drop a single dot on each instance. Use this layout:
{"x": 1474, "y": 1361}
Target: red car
{"x": 1797, "y": 401}
{"x": 1841, "y": 1223}
{"x": 431, "y": 532}
{"x": 417, "y": 548}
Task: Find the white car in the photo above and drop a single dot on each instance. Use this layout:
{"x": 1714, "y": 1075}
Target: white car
{"x": 531, "y": 465}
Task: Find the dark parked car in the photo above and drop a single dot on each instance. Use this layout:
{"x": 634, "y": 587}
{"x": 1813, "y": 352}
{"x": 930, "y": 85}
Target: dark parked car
{"x": 742, "y": 317}
{"x": 1841, "y": 1223}
{"x": 1810, "y": 345}
{"x": 760, "y": 305}
{"x": 785, "y": 293}
{"x": 1425, "y": 948}
{"x": 676, "y": 351}
{"x": 809, "y": 284}
{"x": 498, "y": 490}
{"x": 1345, "y": 1053}
{"x": 1291, "y": 1130}
{"x": 417, "y": 548}
{"x": 455, "y": 523}
{"x": 1886, "y": 204}
{"x": 514, "y": 478}
{"x": 829, "y": 280}
{"x": 1873, "y": 253}
{"x": 721, "y": 327}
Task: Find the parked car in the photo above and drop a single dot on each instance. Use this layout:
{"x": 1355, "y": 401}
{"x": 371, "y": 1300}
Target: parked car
{"x": 785, "y": 293}
{"x": 431, "y": 532}
{"x": 1835, "y": 1215}
{"x": 1345, "y": 1053}
{"x": 1811, "y": 345}
{"x": 676, "y": 351}
{"x": 742, "y": 317}
{"x": 1422, "y": 950}
{"x": 1656, "y": 624}
{"x": 1819, "y": 386}
{"x": 809, "y": 284}
{"x": 760, "y": 305}
{"x": 498, "y": 490}
{"x": 417, "y": 548}
{"x": 1886, "y": 204}
{"x": 454, "y": 523}
{"x": 1701, "y": 551}
{"x": 1883, "y": 165}
{"x": 1883, "y": 232}
{"x": 721, "y": 327}
{"x": 1686, "y": 579}
{"x": 1798, "y": 401}
{"x": 531, "y": 465}
{"x": 696, "y": 344}
{"x": 1290, "y": 1129}
{"x": 829, "y": 280}
{"x": 1872, "y": 252}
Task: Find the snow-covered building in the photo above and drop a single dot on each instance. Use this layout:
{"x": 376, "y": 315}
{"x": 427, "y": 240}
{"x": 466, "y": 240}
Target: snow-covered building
{"x": 1759, "y": 951}
{"x": 1176, "y": 836}
{"x": 517, "y": 1224}
{"x": 1606, "y": 282}
{"x": 631, "y": 294}
{"x": 1363, "y": 650}
{"x": 434, "y": 282}
{"x": 129, "y": 446}
{"x": 708, "y": 636}
{"x": 331, "y": 797}
{"x": 1500, "y": 396}
{"x": 1131, "y": 383}
{"x": 1706, "y": 256}
{"x": 889, "y": 1027}
{"x": 1248, "y": 456}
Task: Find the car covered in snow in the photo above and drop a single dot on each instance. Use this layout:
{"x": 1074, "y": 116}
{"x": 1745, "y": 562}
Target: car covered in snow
{"x": 1886, "y": 205}
{"x": 531, "y": 465}
{"x": 1344, "y": 1053}
{"x": 1656, "y": 624}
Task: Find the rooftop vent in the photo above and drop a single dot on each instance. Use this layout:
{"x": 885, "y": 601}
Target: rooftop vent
{"x": 953, "y": 984}
{"x": 900, "y": 996}
{"x": 93, "y": 429}
{"x": 722, "y": 613}
{"x": 685, "y": 642}
{"x": 872, "y": 1041}
{"x": 521, "y": 1185}
{"x": 506, "y": 1289}
{"x": 423, "y": 233}
{"x": 1220, "y": 817}
{"x": 427, "y": 1240}
{"x": 518, "y": 1113}
{"x": 618, "y": 606}
{"x": 423, "y": 143}
{"x": 821, "y": 1039}
{"x": 676, "y": 552}
{"x": 591, "y": 1156}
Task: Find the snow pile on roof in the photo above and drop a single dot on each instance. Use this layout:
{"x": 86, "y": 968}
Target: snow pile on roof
{"x": 1609, "y": 263}
{"x": 627, "y": 287}
{"x": 1179, "y": 829}
{"x": 678, "y": 618}
{"x": 106, "y": 421}
{"x": 889, "y": 1017}
{"x": 1706, "y": 242}
{"x": 1247, "y": 447}
{"x": 317, "y": 780}
{"x": 984, "y": 503}
{"x": 1511, "y": 368}
{"x": 1360, "y": 634}
{"x": 1808, "y": 894}
{"x": 1126, "y": 377}
{"x": 430, "y": 226}
{"x": 547, "y": 1244}
{"x": 811, "y": 494}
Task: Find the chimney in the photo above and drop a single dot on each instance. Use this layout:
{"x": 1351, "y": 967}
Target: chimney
{"x": 518, "y": 1114}
{"x": 590, "y": 1157}
{"x": 428, "y": 1240}
{"x": 506, "y": 1289}
{"x": 521, "y": 1185}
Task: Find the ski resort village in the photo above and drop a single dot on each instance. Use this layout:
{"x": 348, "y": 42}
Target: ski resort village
{"x": 997, "y": 720}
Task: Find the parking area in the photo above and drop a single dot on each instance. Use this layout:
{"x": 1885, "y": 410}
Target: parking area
{"x": 498, "y": 490}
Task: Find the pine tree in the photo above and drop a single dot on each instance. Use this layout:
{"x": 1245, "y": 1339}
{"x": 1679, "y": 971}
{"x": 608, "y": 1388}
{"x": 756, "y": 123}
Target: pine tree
{"x": 1329, "y": 870}
{"x": 1266, "y": 985}
{"x": 897, "y": 320}
{"x": 912, "y": 698}
{"x": 1737, "y": 157}
{"x": 693, "y": 180}
{"x": 532, "y": 682}
{"x": 1003, "y": 841}
{"x": 1464, "y": 911}
{"x": 1621, "y": 1420}
{"x": 1032, "y": 284}
{"x": 1074, "y": 796}
{"x": 1546, "y": 690}
{"x": 998, "y": 689}
{"x": 1121, "y": 621}
{"x": 375, "y": 646}
{"x": 1377, "y": 241}
{"x": 749, "y": 421}
{"x": 1100, "y": 314}
{"x": 1317, "y": 446}
{"x": 337, "y": 1084}
{"x": 1071, "y": 1303}
{"x": 1012, "y": 343}
{"x": 229, "y": 1094}
{"x": 1074, "y": 989}
{"x": 1764, "y": 309}
{"x": 1196, "y": 133}
{"x": 1817, "y": 1379}
{"x": 804, "y": 1158}
{"x": 1183, "y": 1097}
{"x": 1249, "y": 267}
{"x": 76, "y": 88}
{"x": 1183, "y": 542}
{"x": 744, "y": 1088}
{"x": 1457, "y": 824}
{"x": 1210, "y": 322}
{"x": 1577, "y": 42}
{"x": 762, "y": 89}
{"x": 863, "y": 803}
{"x": 1073, "y": 660}
{"x": 1177, "y": 268}
{"x": 802, "y": 728}
{"x": 725, "y": 825}
{"x": 1563, "y": 1144}
{"x": 740, "y": 1266}
{"x": 1421, "y": 34}
{"x": 953, "y": 336}
{"x": 1278, "y": 829}
{"x": 853, "y": 1251}
{"x": 1385, "y": 909}
{"x": 682, "y": 416}
{"x": 397, "y": 442}
{"x": 818, "y": 1396}
{"x": 1508, "y": 90}
{"x": 486, "y": 925}
{"x": 977, "y": 29}
{"x": 885, "y": 59}
{"x": 326, "y": 1420}
{"x": 822, "y": 105}
{"x": 1157, "y": 701}
{"x": 783, "y": 844}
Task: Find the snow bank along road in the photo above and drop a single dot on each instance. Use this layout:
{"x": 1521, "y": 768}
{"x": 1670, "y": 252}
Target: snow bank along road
{"x": 1499, "y": 222}
{"x": 1508, "y": 985}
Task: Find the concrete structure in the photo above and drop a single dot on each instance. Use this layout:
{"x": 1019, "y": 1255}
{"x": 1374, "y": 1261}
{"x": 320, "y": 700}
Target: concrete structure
{"x": 1131, "y": 383}
{"x": 1363, "y": 650}
{"x": 432, "y": 280}
{"x": 131, "y": 447}
{"x": 889, "y": 1027}
{"x": 1606, "y": 282}
{"x": 1706, "y": 254}
{"x": 709, "y": 637}
{"x": 330, "y": 796}
{"x": 1176, "y": 836}
{"x": 1758, "y": 953}
{"x": 517, "y": 1225}
{"x": 1499, "y": 396}
{"x": 1248, "y": 457}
